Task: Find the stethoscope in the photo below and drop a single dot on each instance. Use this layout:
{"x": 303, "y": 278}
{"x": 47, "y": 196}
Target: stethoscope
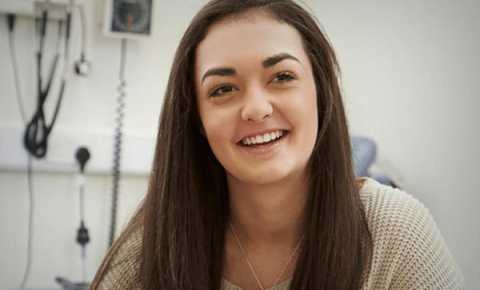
{"x": 37, "y": 131}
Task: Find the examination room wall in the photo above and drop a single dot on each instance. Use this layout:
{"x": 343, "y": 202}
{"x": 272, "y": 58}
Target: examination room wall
{"x": 410, "y": 77}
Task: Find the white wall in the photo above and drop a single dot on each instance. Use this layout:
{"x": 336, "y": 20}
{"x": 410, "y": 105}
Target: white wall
{"x": 410, "y": 71}
{"x": 411, "y": 74}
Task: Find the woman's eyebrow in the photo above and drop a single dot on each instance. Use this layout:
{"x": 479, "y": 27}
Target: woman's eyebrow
{"x": 268, "y": 62}
{"x": 219, "y": 71}
{"x": 273, "y": 60}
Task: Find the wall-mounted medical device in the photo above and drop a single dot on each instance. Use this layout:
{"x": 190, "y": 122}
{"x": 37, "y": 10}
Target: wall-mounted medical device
{"x": 56, "y": 11}
{"x": 128, "y": 18}
{"x": 124, "y": 19}
{"x": 34, "y": 8}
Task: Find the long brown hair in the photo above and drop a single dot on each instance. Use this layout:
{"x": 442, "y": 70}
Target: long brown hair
{"x": 186, "y": 209}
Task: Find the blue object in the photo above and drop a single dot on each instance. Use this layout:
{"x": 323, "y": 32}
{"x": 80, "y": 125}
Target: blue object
{"x": 364, "y": 154}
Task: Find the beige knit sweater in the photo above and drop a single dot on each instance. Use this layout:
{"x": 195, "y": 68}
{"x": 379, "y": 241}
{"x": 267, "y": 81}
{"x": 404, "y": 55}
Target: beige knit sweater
{"x": 409, "y": 251}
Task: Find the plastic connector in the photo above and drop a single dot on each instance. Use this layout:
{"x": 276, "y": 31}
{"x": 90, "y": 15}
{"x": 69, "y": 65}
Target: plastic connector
{"x": 82, "y": 155}
{"x": 82, "y": 235}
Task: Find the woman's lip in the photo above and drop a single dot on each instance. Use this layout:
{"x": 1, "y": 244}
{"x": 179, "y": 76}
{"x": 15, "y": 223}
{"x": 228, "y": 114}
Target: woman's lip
{"x": 264, "y": 150}
{"x": 285, "y": 131}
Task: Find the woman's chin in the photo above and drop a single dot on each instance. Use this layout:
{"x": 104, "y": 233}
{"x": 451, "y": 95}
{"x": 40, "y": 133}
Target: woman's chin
{"x": 263, "y": 176}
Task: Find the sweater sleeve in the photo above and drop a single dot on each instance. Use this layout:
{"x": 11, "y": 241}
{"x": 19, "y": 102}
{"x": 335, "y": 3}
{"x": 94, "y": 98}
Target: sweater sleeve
{"x": 424, "y": 261}
{"x": 120, "y": 267}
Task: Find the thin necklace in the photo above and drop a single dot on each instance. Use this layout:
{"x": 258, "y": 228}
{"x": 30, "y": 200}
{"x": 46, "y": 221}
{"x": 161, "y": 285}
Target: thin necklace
{"x": 252, "y": 269}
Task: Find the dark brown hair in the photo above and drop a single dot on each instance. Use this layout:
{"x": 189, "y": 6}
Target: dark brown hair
{"x": 186, "y": 210}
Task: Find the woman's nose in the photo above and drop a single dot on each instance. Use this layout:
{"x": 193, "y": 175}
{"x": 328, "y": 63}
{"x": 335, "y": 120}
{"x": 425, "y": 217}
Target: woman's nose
{"x": 256, "y": 107}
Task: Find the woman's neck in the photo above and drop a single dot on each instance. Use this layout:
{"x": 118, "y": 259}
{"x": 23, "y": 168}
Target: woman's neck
{"x": 266, "y": 214}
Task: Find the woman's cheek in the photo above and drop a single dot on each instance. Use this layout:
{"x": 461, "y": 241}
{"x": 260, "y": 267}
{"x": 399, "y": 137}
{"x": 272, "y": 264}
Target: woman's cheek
{"x": 217, "y": 129}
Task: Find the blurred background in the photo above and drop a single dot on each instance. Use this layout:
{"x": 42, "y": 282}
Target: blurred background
{"x": 410, "y": 77}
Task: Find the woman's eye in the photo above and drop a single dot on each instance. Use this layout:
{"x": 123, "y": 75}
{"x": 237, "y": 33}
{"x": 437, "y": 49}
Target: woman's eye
{"x": 221, "y": 90}
{"x": 283, "y": 77}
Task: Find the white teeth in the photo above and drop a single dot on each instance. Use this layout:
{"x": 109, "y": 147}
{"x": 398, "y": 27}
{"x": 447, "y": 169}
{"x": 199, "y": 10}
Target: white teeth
{"x": 267, "y": 137}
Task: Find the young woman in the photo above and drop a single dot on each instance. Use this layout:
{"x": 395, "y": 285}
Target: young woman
{"x": 252, "y": 184}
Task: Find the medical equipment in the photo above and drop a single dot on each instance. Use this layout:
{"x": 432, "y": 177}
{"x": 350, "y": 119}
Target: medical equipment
{"x": 68, "y": 285}
{"x": 37, "y": 122}
{"x": 117, "y": 144}
{"x": 33, "y": 8}
{"x": 37, "y": 131}
{"x": 11, "y": 19}
{"x": 128, "y": 18}
{"x": 82, "y": 155}
{"x": 123, "y": 19}
{"x": 82, "y": 65}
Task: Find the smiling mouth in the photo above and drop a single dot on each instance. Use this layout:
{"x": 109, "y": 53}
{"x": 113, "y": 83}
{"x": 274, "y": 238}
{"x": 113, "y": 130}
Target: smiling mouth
{"x": 265, "y": 139}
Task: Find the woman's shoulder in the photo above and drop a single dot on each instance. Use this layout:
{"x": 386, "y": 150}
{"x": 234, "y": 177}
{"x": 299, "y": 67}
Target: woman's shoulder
{"x": 385, "y": 204}
{"x": 409, "y": 250}
{"x": 394, "y": 215}
{"x": 120, "y": 267}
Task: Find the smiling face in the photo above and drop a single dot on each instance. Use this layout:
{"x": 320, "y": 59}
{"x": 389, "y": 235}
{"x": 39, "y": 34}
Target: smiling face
{"x": 254, "y": 84}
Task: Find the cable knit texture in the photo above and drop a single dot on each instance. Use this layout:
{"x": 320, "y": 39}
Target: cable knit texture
{"x": 409, "y": 251}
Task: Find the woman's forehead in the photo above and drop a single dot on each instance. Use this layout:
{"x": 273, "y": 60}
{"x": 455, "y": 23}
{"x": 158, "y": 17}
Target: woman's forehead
{"x": 252, "y": 38}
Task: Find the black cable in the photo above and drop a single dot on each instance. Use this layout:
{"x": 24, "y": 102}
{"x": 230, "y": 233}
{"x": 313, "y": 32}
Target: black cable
{"x": 82, "y": 65}
{"x": 37, "y": 131}
{"x": 83, "y": 26}
{"x": 82, "y": 155}
{"x": 11, "y": 21}
{"x": 31, "y": 211}
{"x": 11, "y": 18}
{"x": 118, "y": 140}
{"x": 11, "y": 25}
{"x": 60, "y": 28}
